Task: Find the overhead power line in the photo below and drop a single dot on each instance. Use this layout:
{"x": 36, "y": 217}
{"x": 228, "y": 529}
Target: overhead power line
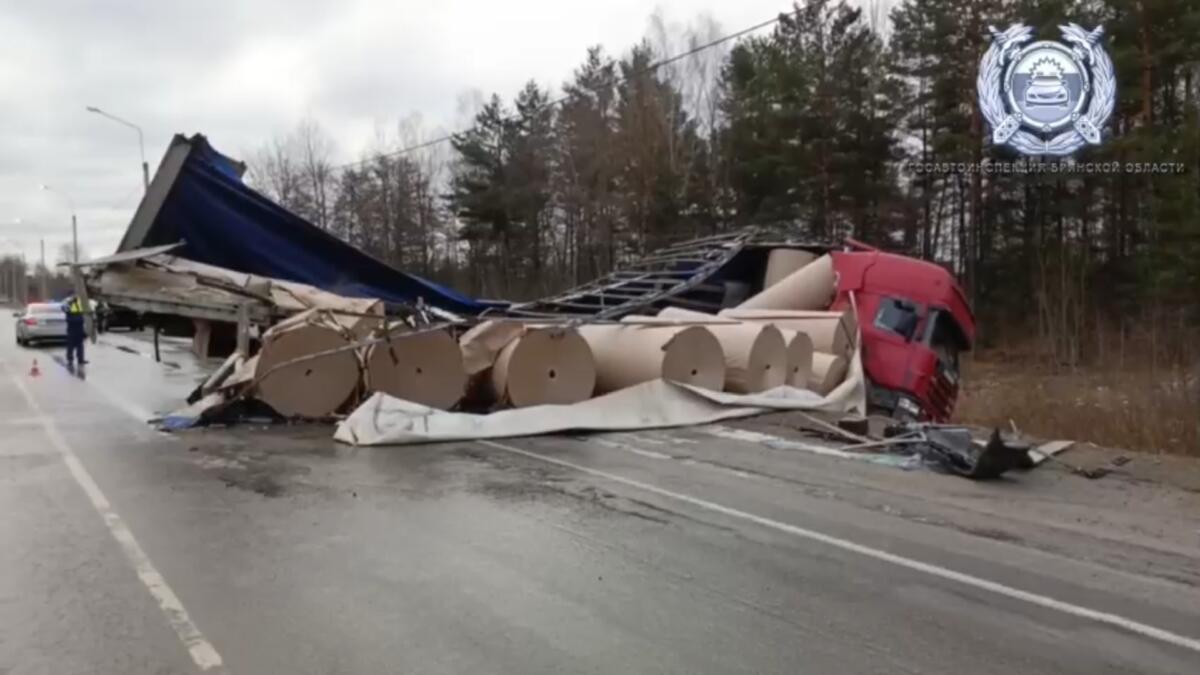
{"x": 562, "y": 99}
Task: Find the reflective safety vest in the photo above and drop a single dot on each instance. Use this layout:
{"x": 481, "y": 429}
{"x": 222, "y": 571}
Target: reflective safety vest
{"x": 74, "y": 307}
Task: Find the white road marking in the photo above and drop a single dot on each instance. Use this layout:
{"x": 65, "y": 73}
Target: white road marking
{"x": 128, "y": 407}
{"x": 748, "y": 436}
{"x": 717, "y": 467}
{"x": 652, "y": 454}
{"x": 609, "y": 443}
{"x": 647, "y": 438}
{"x": 22, "y": 421}
{"x": 201, "y": 650}
{"x": 1130, "y": 625}
{"x": 124, "y": 405}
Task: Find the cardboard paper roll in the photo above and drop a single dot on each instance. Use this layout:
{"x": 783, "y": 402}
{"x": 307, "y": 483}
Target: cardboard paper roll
{"x": 756, "y": 356}
{"x": 360, "y": 325}
{"x": 827, "y": 373}
{"x": 482, "y": 343}
{"x": 629, "y": 355}
{"x": 831, "y": 332}
{"x": 810, "y": 287}
{"x": 422, "y": 367}
{"x": 782, "y": 262}
{"x": 313, "y": 388}
{"x": 544, "y": 365}
{"x": 800, "y": 358}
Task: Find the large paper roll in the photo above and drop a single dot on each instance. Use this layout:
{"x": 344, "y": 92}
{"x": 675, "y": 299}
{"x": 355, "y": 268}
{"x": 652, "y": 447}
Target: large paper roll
{"x": 831, "y": 332}
{"x": 756, "y": 356}
{"x": 364, "y": 321}
{"x": 782, "y": 262}
{"x": 810, "y": 287}
{"x": 544, "y": 365}
{"x": 312, "y": 388}
{"x": 627, "y": 355}
{"x": 423, "y": 367}
{"x": 800, "y": 358}
{"x": 482, "y": 343}
{"x": 827, "y": 373}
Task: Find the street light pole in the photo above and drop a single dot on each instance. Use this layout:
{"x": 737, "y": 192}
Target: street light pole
{"x": 141, "y": 141}
{"x": 74, "y": 222}
{"x": 42, "y": 274}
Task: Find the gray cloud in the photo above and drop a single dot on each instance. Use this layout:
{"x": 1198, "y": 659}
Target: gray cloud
{"x": 243, "y": 71}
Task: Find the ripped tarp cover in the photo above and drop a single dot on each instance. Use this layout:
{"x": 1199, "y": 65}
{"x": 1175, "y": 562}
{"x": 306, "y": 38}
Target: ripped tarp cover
{"x": 384, "y": 420}
{"x": 224, "y": 222}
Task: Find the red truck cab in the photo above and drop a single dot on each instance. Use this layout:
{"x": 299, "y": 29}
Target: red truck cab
{"x": 915, "y": 321}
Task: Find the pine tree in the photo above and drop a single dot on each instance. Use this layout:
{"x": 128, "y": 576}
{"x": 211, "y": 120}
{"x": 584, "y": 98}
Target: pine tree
{"x": 479, "y": 195}
{"x": 809, "y": 134}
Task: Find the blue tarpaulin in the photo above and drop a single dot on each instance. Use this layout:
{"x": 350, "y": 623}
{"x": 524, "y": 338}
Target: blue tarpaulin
{"x": 224, "y": 222}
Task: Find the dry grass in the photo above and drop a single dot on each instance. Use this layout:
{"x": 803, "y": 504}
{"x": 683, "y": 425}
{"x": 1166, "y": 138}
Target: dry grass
{"x": 1153, "y": 410}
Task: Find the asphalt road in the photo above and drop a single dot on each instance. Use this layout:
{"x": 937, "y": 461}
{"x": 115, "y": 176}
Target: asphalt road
{"x": 256, "y": 550}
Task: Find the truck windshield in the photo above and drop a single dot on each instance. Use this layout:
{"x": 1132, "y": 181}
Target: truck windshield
{"x": 945, "y": 338}
{"x": 898, "y": 316}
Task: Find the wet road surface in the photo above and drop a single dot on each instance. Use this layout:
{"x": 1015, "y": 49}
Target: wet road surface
{"x": 276, "y": 550}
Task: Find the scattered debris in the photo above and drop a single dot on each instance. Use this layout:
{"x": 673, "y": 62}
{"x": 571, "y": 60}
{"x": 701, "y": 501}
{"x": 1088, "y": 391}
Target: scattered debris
{"x": 955, "y": 450}
{"x": 855, "y": 424}
{"x": 1048, "y": 450}
{"x": 719, "y": 327}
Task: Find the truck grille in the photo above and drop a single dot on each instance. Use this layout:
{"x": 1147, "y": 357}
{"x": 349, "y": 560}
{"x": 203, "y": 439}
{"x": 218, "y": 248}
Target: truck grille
{"x": 942, "y": 394}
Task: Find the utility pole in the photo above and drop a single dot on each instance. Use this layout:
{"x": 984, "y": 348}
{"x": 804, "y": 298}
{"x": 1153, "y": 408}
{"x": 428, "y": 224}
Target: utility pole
{"x": 42, "y": 273}
{"x": 74, "y": 226}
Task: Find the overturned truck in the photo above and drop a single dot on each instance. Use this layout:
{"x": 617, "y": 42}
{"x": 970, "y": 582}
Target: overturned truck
{"x": 837, "y": 322}
{"x": 912, "y": 317}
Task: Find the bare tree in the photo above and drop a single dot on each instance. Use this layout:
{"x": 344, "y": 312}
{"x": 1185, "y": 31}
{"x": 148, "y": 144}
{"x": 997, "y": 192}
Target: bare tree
{"x": 66, "y": 254}
{"x": 315, "y": 149}
{"x": 297, "y": 171}
{"x": 698, "y": 77}
{"x": 275, "y": 171}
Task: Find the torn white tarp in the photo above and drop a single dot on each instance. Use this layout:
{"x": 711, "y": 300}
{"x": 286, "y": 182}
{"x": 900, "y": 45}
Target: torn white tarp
{"x": 383, "y": 420}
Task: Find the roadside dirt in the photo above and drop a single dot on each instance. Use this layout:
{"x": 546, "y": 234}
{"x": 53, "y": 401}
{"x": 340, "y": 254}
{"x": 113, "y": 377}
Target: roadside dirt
{"x": 1143, "y": 516}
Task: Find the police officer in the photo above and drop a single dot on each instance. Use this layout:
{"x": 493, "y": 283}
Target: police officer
{"x": 75, "y": 331}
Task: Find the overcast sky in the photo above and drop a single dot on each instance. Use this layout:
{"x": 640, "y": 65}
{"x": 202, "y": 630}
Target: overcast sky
{"x": 244, "y": 71}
